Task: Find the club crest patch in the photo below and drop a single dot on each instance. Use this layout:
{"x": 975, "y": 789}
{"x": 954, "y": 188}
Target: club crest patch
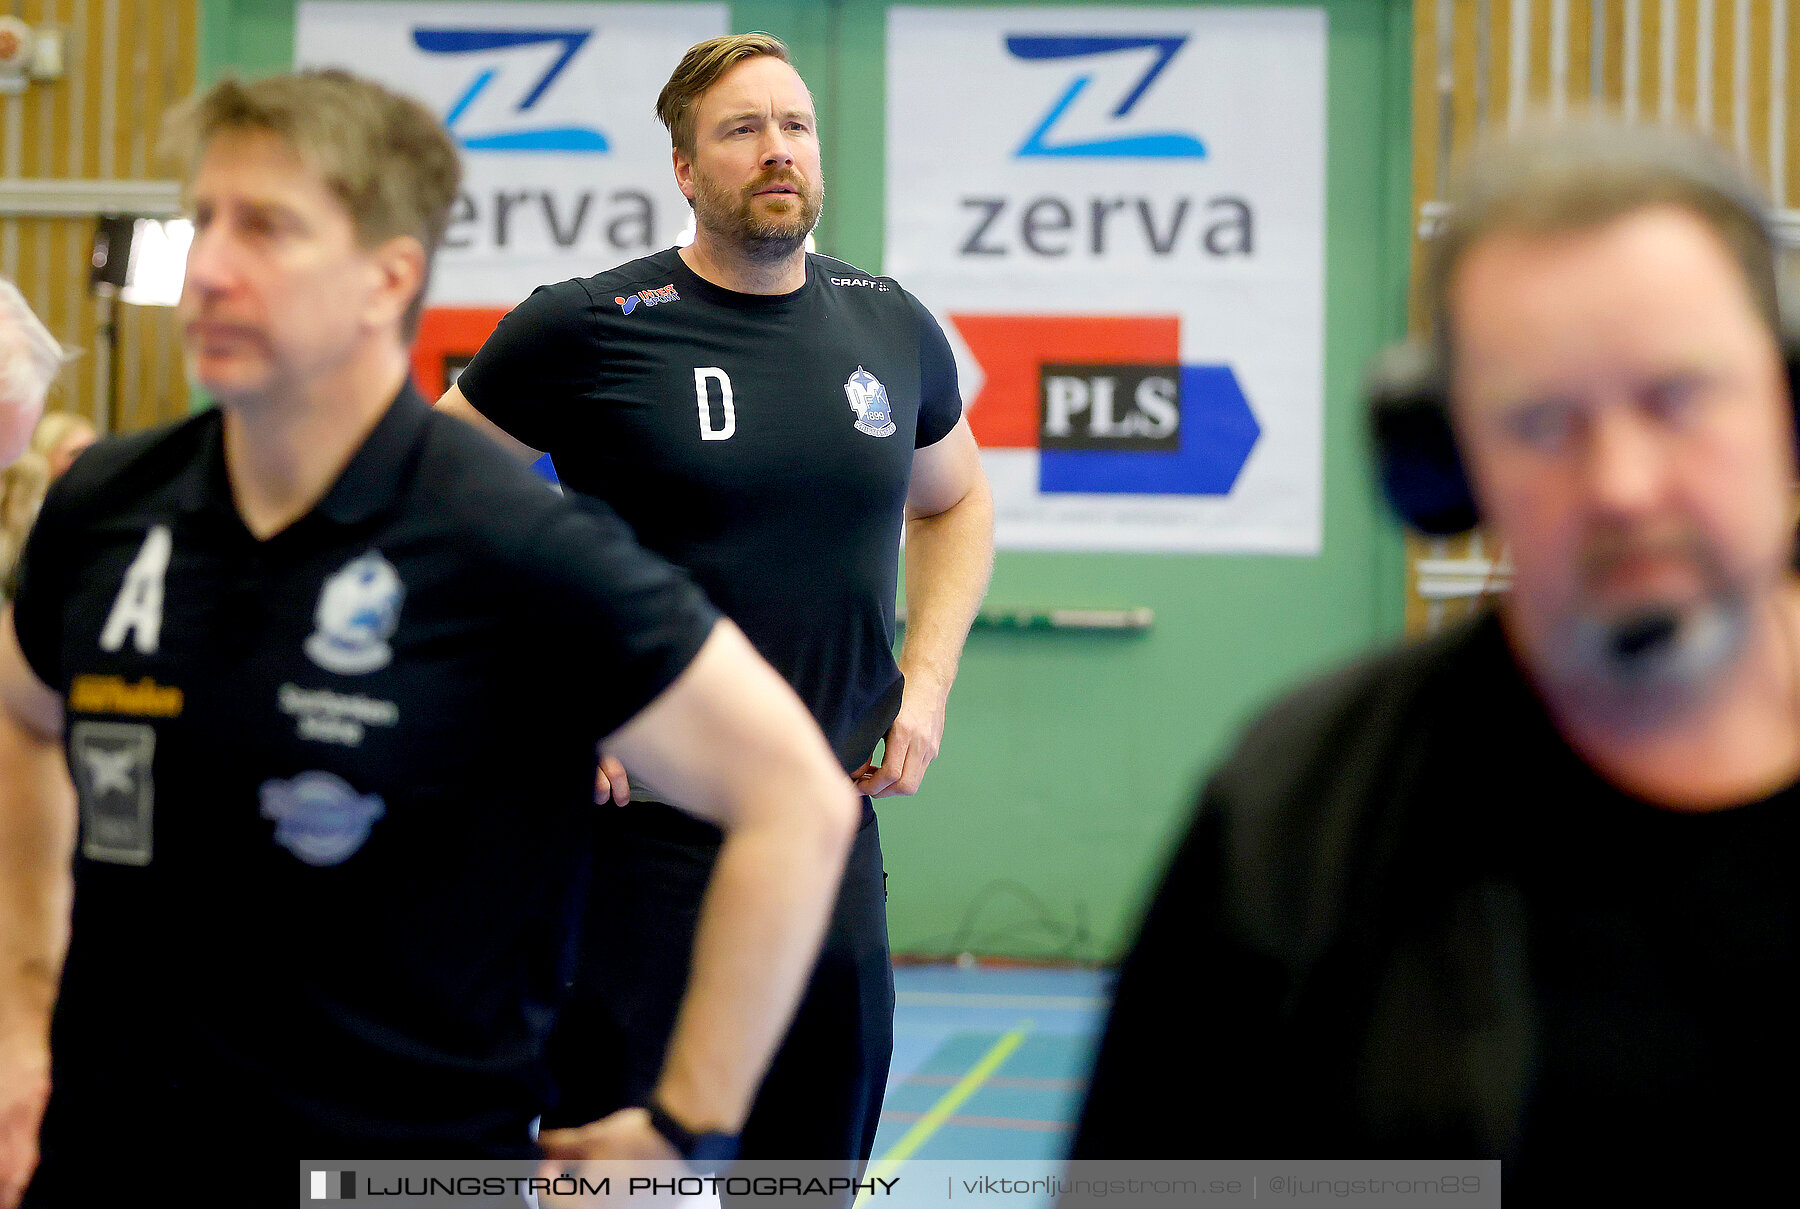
{"x": 319, "y": 817}
{"x": 358, "y": 611}
{"x": 869, "y": 400}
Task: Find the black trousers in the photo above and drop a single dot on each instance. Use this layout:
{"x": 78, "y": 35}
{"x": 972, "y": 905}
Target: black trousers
{"x": 822, "y": 1097}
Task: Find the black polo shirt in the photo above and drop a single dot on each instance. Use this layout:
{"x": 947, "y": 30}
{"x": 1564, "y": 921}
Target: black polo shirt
{"x": 762, "y": 442}
{"x": 334, "y": 785}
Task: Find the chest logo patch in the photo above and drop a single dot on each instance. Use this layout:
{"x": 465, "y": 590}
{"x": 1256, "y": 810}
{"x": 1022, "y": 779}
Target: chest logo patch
{"x": 319, "y": 817}
{"x": 358, "y": 611}
{"x": 869, "y": 400}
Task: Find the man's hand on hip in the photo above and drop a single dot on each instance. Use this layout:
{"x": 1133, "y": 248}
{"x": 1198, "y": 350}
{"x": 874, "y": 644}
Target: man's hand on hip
{"x": 909, "y": 747}
{"x": 610, "y": 783}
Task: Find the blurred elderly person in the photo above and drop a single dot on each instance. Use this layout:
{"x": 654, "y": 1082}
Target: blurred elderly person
{"x": 29, "y": 358}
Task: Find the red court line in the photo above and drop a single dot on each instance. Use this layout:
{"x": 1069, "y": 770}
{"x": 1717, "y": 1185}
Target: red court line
{"x": 907, "y": 1118}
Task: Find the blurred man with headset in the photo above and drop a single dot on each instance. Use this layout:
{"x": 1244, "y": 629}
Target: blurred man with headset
{"x": 1525, "y": 890}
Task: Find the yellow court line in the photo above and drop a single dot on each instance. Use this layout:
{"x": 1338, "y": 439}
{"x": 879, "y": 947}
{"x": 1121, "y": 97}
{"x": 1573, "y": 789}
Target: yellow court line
{"x": 946, "y": 1106}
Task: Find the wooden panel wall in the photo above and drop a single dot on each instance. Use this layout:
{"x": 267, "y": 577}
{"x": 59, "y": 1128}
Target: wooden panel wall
{"x": 1728, "y": 66}
{"x": 126, "y": 62}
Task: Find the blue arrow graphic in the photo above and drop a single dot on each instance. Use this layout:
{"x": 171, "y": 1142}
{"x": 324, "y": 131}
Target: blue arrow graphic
{"x": 1218, "y": 431}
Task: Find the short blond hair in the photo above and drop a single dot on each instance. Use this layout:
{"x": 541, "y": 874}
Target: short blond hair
{"x": 384, "y": 156}
{"x": 699, "y": 69}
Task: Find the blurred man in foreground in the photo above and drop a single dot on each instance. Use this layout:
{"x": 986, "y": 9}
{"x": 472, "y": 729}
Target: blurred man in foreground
{"x": 1526, "y": 890}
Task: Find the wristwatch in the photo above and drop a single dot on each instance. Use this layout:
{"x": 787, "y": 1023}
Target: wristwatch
{"x": 704, "y": 1152}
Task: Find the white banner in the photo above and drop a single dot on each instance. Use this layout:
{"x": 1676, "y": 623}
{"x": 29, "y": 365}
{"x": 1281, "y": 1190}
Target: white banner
{"x": 1119, "y": 214}
{"x": 566, "y": 168}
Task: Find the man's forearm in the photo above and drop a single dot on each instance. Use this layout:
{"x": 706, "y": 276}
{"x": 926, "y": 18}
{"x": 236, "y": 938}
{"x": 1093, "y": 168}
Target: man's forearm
{"x": 761, "y": 924}
{"x": 37, "y": 833}
{"x": 949, "y": 557}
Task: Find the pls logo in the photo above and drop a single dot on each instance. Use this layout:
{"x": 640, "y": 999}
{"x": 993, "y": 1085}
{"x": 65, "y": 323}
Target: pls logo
{"x": 1107, "y": 404}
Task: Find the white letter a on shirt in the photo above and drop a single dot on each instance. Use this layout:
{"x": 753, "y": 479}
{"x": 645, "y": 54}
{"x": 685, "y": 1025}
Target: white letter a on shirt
{"x": 139, "y": 606}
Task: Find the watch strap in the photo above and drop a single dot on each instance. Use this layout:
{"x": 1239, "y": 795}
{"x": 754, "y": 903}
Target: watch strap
{"x": 701, "y": 1151}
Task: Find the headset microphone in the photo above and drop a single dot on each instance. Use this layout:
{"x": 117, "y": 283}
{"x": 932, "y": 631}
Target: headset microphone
{"x": 1644, "y": 637}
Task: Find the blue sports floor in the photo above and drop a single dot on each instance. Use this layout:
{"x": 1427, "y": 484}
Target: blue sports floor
{"x": 989, "y": 1063}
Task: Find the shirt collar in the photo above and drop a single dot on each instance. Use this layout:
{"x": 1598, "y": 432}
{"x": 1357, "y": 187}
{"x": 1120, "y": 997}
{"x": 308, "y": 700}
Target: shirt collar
{"x": 378, "y": 472}
{"x": 371, "y": 481}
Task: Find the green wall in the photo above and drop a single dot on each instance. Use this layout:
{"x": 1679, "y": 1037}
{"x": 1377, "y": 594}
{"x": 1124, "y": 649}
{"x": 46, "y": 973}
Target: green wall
{"x": 1071, "y": 759}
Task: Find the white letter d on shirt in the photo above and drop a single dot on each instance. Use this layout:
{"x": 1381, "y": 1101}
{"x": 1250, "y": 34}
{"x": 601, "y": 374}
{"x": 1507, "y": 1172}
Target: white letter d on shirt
{"x": 707, "y": 431}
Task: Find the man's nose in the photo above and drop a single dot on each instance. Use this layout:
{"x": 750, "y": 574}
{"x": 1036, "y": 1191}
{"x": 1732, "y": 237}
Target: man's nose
{"x": 776, "y": 151}
{"x": 208, "y": 261}
{"x": 1624, "y": 466}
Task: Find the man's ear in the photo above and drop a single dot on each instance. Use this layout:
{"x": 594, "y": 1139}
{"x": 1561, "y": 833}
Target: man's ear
{"x": 399, "y": 265}
{"x": 684, "y": 172}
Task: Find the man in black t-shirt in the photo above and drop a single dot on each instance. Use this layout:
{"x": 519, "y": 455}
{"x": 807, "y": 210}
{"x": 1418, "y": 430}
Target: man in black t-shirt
{"x": 769, "y": 420}
{"x": 1526, "y": 891}
{"x": 328, "y": 672}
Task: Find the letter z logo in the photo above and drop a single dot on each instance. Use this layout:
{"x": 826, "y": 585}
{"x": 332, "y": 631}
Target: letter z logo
{"x": 584, "y": 139}
{"x": 1145, "y": 145}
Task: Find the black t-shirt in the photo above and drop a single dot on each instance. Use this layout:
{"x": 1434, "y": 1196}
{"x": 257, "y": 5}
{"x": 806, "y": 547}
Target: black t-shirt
{"x": 764, "y": 443}
{"x": 332, "y": 784}
{"x": 1409, "y": 921}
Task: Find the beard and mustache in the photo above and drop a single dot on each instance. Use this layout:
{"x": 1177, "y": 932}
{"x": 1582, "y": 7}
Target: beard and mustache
{"x": 1639, "y": 662}
{"x": 734, "y": 216}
